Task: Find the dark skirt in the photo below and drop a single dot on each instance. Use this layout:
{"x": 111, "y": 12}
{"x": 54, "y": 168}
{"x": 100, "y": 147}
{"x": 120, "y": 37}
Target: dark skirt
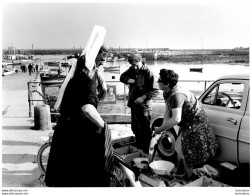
{"x": 77, "y": 155}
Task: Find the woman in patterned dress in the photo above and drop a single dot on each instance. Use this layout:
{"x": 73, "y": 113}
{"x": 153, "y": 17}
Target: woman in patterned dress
{"x": 196, "y": 142}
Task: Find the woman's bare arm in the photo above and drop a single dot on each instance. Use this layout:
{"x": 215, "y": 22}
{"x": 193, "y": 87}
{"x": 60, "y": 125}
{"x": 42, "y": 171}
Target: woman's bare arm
{"x": 91, "y": 112}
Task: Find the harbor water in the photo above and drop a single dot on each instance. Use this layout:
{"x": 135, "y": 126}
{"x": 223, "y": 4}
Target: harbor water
{"x": 210, "y": 71}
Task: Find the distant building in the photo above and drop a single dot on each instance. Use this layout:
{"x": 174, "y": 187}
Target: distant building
{"x": 241, "y": 49}
{"x": 140, "y": 50}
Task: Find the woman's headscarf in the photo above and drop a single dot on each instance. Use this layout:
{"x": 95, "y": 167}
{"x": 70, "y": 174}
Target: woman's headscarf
{"x": 91, "y": 50}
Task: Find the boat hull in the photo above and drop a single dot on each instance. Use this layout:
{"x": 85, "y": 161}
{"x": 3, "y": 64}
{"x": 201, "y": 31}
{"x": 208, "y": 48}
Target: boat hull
{"x": 196, "y": 69}
{"x": 52, "y": 78}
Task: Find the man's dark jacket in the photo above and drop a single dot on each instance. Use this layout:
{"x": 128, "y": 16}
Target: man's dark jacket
{"x": 145, "y": 84}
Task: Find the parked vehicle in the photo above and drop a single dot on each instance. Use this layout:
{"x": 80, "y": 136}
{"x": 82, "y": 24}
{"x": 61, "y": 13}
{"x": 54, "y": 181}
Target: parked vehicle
{"x": 7, "y": 72}
{"x": 226, "y": 103}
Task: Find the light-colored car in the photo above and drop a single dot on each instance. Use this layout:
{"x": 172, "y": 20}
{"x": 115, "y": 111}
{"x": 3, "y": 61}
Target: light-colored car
{"x": 7, "y": 72}
{"x": 226, "y": 103}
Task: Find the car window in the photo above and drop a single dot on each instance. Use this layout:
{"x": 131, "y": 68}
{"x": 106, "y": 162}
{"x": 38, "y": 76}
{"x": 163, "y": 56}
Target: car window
{"x": 227, "y": 95}
{"x": 209, "y": 99}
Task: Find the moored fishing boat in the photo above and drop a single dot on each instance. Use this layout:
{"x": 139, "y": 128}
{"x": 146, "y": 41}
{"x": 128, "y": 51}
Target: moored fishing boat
{"x": 65, "y": 64}
{"x": 7, "y": 72}
{"x": 10, "y": 68}
{"x": 196, "y": 69}
{"x": 52, "y": 78}
{"x": 55, "y": 63}
{"x": 112, "y": 69}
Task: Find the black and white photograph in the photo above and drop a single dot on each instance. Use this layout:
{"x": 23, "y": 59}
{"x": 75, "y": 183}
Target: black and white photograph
{"x": 112, "y": 96}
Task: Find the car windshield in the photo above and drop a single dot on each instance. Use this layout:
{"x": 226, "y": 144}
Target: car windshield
{"x": 226, "y": 95}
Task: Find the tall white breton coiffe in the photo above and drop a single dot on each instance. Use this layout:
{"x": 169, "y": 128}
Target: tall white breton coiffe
{"x": 91, "y": 50}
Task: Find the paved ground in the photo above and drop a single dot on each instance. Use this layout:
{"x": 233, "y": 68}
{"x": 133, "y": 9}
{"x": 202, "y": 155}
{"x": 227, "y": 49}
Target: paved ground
{"x": 20, "y": 142}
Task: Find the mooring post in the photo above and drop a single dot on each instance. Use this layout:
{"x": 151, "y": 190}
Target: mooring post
{"x": 124, "y": 98}
{"x": 29, "y": 99}
{"x": 205, "y": 86}
{"x": 42, "y": 117}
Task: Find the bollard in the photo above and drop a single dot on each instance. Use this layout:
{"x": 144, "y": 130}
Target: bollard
{"x": 42, "y": 117}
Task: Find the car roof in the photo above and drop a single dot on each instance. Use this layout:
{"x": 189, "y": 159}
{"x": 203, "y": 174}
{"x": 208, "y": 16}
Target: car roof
{"x": 235, "y": 76}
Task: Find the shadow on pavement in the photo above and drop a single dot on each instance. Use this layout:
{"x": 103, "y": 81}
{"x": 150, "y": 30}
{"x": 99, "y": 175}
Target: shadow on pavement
{"x": 16, "y": 127}
{"x": 20, "y": 143}
{"x": 28, "y": 178}
{"x": 19, "y": 158}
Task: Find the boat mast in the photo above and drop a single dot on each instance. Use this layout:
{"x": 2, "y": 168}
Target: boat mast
{"x": 202, "y": 50}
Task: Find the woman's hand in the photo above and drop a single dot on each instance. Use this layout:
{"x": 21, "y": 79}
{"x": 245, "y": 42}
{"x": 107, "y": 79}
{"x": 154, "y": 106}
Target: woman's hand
{"x": 157, "y": 130}
{"x": 131, "y": 81}
{"x": 91, "y": 112}
{"x": 140, "y": 100}
{"x": 101, "y": 129}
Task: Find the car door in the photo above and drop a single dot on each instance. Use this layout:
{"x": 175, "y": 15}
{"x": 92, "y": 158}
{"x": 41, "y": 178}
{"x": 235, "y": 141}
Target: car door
{"x": 244, "y": 136}
{"x": 224, "y": 103}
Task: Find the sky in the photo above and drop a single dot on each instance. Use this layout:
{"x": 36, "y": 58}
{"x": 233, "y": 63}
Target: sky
{"x": 129, "y": 24}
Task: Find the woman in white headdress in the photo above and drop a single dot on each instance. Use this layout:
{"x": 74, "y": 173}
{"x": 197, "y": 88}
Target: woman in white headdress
{"x": 77, "y": 152}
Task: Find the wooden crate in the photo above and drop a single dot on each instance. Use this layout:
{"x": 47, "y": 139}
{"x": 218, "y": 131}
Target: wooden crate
{"x": 129, "y": 153}
{"x": 205, "y": 182}
{"x": 118, "y": 143}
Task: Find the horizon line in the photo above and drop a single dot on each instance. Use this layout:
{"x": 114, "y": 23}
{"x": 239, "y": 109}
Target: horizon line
{"x": 124, "y": 48}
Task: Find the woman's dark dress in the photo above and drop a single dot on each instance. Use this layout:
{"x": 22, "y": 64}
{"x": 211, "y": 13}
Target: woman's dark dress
{"x": 77, "y": 152}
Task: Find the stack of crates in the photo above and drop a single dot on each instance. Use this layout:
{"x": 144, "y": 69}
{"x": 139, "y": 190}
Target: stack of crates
{"x": 125, "y": 148}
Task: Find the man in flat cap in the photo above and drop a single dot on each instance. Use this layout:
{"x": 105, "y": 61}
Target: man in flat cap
{"x": 142, "y": 88}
